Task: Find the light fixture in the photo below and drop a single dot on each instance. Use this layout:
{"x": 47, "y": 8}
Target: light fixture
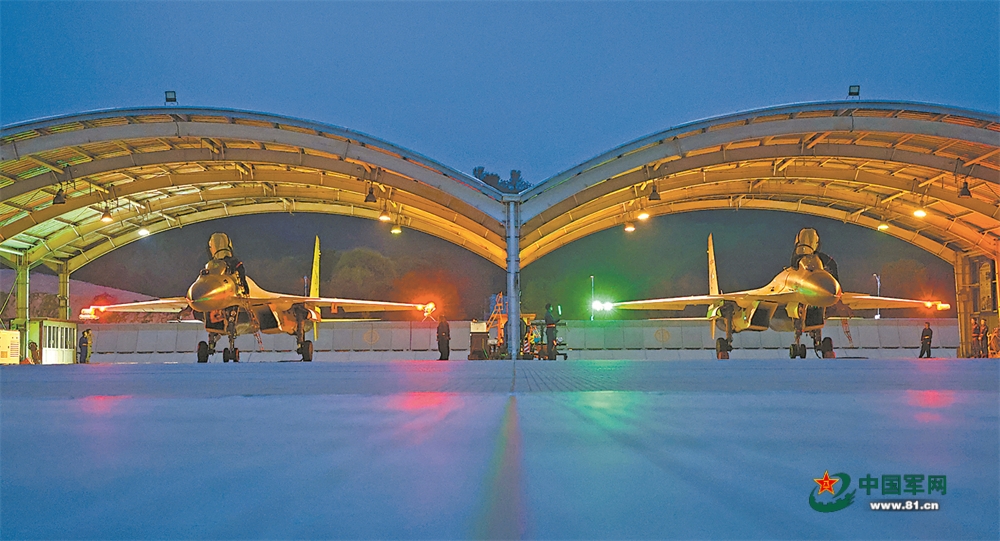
{"x": 143, "y": 232}
{"x": 643, "y": 215}
{"x": 370, "y": 198}
{"x": 106, "y": 217}
{"x": 629, "y": 227}
{"x": 60, "y": 197}
{"x": 920, "y": 213}
{"x": 384, "y": 216}
{"x": 883, "y": 226}
{"x": 170, "y": 96}
{"x": 396, "y": 229}
{"x": 964, "y": 191}
{"x": 854, "y": 90}
{"x": 654, "y": 195}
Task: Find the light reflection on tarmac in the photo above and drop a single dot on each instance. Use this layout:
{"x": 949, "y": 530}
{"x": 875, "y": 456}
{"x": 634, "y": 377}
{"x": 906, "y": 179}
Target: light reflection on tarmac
{"x": 443, "y": 450}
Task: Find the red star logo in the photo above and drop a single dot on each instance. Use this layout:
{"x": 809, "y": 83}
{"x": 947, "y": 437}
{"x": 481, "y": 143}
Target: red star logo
{"x": 826, "y": 484}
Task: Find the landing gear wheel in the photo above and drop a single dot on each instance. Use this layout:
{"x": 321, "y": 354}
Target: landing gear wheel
{"x": 202, "y": 352}
{"x": 802, "y": 351}
{"x": 826, "y": 346}
{"x": 306, "y": 350}
{"x": 793, "y": 351}
{"x": 236, "y": 355}
{"x": 226, "y": 355}
{"x": 722, "y": 348}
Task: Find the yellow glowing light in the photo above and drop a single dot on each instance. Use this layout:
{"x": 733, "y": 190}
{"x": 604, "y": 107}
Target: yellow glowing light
{"x": 384, "y": 216}
{"x": 883, "y": 227}
{"x": 143, "y": 232}
{"x": 643, "y": 216}
{"x": 396, "y": 230}
{"x": 920, "y": 213}
{"x": 629, "y": 227}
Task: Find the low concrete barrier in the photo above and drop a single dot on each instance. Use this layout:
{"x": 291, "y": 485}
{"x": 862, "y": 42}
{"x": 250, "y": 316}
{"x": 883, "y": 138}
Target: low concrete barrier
{"x": 639, "y": 339}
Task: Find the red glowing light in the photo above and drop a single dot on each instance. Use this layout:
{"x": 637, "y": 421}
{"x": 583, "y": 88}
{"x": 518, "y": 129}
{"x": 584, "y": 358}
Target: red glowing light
{"x": 931, "y": 399}
{"x": 418, "y": 401}
{"x": 101, "y": 404}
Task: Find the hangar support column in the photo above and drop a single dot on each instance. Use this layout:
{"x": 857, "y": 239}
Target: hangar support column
{"x": 513, "y": 276}
{"x": 64, "y": 307}
{"x": 963, "y": 305}
{"x": 22, "y": 291}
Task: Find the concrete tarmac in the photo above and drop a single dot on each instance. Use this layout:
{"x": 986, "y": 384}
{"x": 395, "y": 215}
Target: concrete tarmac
{"x": 497, "y": 450}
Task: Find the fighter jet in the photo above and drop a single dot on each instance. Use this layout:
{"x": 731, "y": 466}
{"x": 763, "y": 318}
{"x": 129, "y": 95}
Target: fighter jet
{"x": 231, "y": 304}
{"x": 795, "y": 300}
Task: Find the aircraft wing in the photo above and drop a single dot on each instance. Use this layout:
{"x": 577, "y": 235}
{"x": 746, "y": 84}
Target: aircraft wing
{"x": 679, "y": 303}
{"x": 862, "y": 301}
{"x": 671, "y": 303}
{"x": 170, "y": 305}
{"x": 351, "y": 305}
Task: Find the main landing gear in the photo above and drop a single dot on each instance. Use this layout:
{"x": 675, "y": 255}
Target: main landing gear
{"x": 724, "y": 345}
{"x": 305, "y": 348}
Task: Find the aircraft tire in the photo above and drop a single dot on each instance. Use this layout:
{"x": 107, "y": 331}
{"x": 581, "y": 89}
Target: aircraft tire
{"x": 722, "y": 346}
{"x": 236, "y": 355}
{"x": 307, "y": 351}
{"x": 826, "y": 347}
{"x": 792, "y": 352}
{"x": 225, "y": 355}
{"x": 203, "y": 352}
{"x": 802, "y": 351}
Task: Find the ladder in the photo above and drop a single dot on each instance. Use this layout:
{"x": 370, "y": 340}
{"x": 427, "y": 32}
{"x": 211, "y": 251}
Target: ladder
{"x": 498, "y": 318}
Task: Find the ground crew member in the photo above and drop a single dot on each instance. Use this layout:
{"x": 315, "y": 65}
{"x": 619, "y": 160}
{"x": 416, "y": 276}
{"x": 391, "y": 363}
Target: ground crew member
{"x": 975, "y": 338}
{"x": 925, "y": 340}
{"x": 444, "y": 338}
{"x": 32, "y": 357}
{"x": 984, "y": 339}
{"x": 84, "y": 347}
{"x": 550, "y": 332}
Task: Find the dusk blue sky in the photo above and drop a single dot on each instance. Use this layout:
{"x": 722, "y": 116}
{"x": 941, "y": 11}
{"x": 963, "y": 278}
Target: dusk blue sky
{"x": 538, "y": 87}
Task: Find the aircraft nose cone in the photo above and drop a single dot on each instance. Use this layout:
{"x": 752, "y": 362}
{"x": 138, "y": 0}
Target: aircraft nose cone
{"x": 211, "y": 292}
{"x": 821, "y": 289}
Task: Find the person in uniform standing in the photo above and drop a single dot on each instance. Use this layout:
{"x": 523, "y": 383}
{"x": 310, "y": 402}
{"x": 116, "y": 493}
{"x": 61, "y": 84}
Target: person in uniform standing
{"x": 84, "y": 347}
{"x": 444, "y": 338}
{"x": 926, "y": 336}
{"x": 974, "y": 349}
{"x": 550, "y": 332}
{"x": 984, "y": 339}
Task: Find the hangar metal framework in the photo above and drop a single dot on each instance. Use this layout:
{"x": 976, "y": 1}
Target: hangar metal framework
{"x": 873, "y": 164}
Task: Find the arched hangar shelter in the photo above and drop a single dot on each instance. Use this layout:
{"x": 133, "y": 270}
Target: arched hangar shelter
{"x": 149, "y": 170}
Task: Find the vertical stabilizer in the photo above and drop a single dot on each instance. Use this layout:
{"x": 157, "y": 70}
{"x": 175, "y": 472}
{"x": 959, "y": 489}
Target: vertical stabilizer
{"x": 713, "y": 277}
{"x": 314, "y": 284}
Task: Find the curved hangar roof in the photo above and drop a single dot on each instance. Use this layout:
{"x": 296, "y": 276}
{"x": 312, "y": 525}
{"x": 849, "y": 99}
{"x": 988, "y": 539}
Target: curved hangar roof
{"x": 869, "y": 163}
{"x": 165, "y": 167}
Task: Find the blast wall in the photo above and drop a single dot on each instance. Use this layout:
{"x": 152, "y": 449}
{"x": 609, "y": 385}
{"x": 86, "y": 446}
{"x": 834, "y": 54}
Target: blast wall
{"x": 639, "y": 339}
